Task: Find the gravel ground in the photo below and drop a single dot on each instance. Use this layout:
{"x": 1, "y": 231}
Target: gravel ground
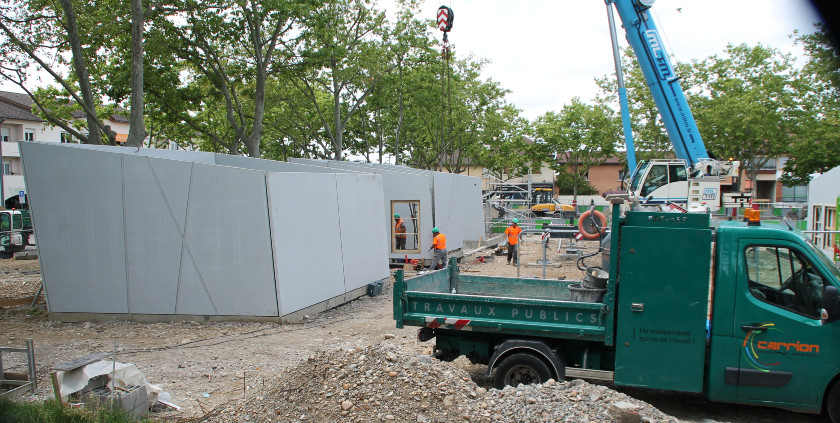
{"x": 346, "y": 364}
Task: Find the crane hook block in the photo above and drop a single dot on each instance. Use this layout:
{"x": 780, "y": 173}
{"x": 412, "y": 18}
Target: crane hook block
{"x": 445, "y": 16}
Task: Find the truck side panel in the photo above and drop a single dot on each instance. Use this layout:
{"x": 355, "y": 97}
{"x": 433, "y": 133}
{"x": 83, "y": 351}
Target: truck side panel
{"x": 662, "y": 303}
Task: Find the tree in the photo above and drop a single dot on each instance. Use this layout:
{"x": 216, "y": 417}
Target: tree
{"x": 42, "y": 35}
{"x": 344, "y": 53}
{"x": 229, "y": 49}
{"x": 583, "y": 135}
{"x": 746, "y": 104}
{"x": 817, "y": 148}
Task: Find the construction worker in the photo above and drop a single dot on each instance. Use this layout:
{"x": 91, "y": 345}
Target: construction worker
{"x": 439, "y": 245}
{"x": 512, "y": 233}
{"x": 399, "y": 232}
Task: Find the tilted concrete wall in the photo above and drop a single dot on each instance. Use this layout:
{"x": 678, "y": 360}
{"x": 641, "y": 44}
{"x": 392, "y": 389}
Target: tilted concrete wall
{"x": 161, "y": 232}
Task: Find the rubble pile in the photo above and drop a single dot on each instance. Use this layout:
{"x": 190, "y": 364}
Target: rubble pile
{"x": 386, "y": 383}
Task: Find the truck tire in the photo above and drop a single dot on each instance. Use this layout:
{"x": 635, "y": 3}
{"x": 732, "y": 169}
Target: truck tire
{"x": 832, "y": 403}
{"x": 521, "y": 368}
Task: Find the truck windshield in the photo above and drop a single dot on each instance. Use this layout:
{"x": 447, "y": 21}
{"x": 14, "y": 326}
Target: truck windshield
{"x": 822, "y": 258}
{"x": 640, "y": 170}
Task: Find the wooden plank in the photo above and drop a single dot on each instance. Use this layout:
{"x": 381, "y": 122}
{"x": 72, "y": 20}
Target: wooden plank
{"x": 16, "y": 301}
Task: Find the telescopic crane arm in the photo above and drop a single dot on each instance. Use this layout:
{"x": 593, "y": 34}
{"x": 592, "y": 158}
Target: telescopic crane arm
{"x": 662, "y": 81}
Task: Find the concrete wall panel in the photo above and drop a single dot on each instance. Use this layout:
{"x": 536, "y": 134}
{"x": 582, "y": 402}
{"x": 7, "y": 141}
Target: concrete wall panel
{"x": 448, "y": 215}
{"x": 154, "y": 225}
{"x": 227, "y": 233}
{"x": 472, "y": 207}
{"x": 80, "y": 232}
{"x": 193, "y": 294}
{"x": 398, "y": 184}
{"x": 307, "y": 238}
{"x": 182, "y": 155}
{"x": 363, "y": 238}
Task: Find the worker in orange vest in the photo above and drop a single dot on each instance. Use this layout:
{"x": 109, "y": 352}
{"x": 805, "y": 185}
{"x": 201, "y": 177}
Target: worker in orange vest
{"x": 512, "y": 233}
{"x": 399, "y": 232}
{"x": 439, "y": 245}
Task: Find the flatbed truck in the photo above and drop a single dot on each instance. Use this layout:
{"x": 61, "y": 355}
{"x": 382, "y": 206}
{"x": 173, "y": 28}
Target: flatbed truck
{"x": 743, "y": 312}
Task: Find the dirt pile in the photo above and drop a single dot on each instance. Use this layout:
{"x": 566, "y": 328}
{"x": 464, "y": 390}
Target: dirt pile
{"x": 385, "y": 382}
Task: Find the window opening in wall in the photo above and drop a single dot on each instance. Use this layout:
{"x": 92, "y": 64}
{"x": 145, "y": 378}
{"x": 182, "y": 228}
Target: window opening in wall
{"x": 818, "y": 224}
{"x": 4, "y": 134}
{"x": 29, "y": 134}
{"x": 405, "y": 229}
{"x": 7, "y": 168}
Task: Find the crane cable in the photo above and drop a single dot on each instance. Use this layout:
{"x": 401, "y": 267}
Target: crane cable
{"x": 445, "y": 16}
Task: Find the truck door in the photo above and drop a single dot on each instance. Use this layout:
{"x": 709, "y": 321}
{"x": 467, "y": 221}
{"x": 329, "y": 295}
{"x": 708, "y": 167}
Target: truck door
{"x": 787, "y": 355}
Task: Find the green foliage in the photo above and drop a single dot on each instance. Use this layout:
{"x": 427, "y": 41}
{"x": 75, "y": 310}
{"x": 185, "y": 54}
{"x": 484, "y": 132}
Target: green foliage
{"x": 746, "y": 105}
{"x": 52, "y": 412}
{"x": 565, "y": 185}
{"x": 817, "y": 149}
{"x": 582, "y": 136}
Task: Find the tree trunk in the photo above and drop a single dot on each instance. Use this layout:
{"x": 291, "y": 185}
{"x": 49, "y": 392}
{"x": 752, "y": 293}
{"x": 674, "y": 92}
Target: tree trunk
{"x": 79, "y": 66}
{"x": 338, "y": 134}
{"x": 137, "y": 132}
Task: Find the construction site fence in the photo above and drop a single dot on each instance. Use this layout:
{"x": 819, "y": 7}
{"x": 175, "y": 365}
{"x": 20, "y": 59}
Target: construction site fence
{"x": 498, "y": 225}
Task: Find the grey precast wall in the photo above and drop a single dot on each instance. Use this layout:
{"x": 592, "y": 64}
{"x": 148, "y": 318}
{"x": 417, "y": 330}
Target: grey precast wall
{"x": 456, "y": 205}
{"x": 122, "y": 230}
{"x": 400, "y": 185}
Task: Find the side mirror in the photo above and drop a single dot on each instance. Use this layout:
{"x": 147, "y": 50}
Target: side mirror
{"x": 830, "y": 304}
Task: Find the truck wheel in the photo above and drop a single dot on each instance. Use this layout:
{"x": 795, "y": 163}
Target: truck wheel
{"x": 832, "y": 403}
{"x": 521, "y": 368}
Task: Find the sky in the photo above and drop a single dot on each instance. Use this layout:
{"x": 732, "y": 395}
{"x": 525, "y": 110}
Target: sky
{"x": 547, "y": 52}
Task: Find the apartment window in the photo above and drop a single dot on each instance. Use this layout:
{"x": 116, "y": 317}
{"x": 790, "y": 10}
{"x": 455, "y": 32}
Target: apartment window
{"x": 66, "y": 138}
{"x": 29, "y": 134}
{"x": 621, "y": 175}
{"x": 770, "y": 164}
{"x": 7, "y": 168}
{"x": 796, "y": 193}
{"x": 4, "y": 134}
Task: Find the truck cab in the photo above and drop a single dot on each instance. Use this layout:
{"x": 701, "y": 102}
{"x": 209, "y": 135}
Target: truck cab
{"x": 774, "y": 339}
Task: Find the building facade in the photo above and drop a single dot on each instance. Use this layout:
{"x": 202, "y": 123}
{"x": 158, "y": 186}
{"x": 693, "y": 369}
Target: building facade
{"x": 19, "y": 124}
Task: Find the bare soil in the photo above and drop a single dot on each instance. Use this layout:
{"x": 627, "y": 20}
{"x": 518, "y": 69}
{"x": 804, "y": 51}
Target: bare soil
{"x": 209, "y": 366}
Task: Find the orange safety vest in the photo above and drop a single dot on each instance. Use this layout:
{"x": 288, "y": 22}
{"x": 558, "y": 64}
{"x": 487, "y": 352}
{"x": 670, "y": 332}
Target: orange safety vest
{"x": 513, "y": 234}
{"x": 439, "y": 242}
{"x": 399, "y": 228}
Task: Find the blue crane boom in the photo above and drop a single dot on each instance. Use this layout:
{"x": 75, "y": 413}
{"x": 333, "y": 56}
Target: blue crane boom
{"x": 663, "y": 83}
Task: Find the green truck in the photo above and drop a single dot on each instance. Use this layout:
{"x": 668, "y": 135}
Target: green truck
{"x": 741, "y": 312}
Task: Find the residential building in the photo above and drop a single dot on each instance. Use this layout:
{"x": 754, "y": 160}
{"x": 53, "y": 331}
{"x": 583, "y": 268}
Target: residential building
{"x": 21, "y": 125}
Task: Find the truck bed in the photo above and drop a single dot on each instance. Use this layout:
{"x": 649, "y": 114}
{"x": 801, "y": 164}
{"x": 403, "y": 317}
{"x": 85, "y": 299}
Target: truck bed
{"x": 523, "y": 306}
